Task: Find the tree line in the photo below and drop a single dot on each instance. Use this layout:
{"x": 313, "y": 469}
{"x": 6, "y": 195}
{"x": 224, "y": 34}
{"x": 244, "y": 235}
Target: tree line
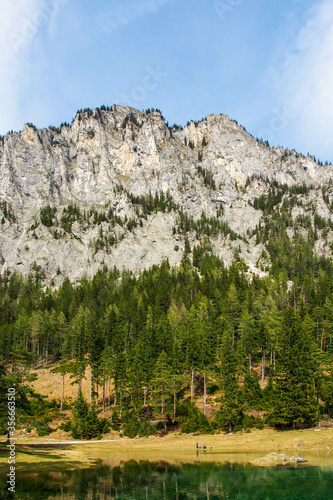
{"x": 158, "y": 342}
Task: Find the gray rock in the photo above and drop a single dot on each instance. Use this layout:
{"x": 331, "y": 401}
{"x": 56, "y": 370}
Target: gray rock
{"x": 98, "y": 160}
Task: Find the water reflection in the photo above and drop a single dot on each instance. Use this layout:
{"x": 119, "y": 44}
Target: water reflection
{"x": 161, "y": 481}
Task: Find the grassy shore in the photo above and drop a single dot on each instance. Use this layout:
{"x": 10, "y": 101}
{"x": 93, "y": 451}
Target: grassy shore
{"x": 314, "y": 444}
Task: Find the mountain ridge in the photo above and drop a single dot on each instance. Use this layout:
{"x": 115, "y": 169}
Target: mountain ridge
{"x": 118, "y": 187}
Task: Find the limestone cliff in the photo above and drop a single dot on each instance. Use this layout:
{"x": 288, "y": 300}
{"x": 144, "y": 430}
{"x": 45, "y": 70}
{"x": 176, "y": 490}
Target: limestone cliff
{"x": 117, "y": 187}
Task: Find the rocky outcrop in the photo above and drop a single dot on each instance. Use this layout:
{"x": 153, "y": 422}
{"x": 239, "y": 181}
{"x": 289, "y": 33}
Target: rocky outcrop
{"x": 104, "y": 166}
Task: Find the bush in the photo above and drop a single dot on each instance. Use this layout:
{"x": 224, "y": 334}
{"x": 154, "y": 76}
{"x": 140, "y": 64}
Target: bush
{"x": 65, "y": 426}
{"x": 131, "y": 424}
{"x": 212, "y": 388}
{"x": 47, "y": 215}
{"x": 252, "y": 392}
{"x": 259, "y": 423}
{"x": 43, "y": 429}
{"x": 248, "y": 422}
{"x": 105, "y": 425}
{"x": 85, "y": 423}
{"x": 193, "y": 420}
{"x": 115, "y": 421}
{"x": 146, "y": 429}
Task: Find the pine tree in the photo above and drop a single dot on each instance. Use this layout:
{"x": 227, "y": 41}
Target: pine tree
{"x": 231, "y": 410}
{"x": 136, "y": 375}
{"x": 161, "y": 383}
{"x": 295, "y": 402}
{"x": 247, "y": 337}
{"x": 85, "y": 423}
{"x": 176, "y": 382}
{"x": 252, "y": 391}
{"x": 80, "y": 417}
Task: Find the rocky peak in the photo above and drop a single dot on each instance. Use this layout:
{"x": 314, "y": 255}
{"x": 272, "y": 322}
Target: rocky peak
{"x": 75, "y": 197}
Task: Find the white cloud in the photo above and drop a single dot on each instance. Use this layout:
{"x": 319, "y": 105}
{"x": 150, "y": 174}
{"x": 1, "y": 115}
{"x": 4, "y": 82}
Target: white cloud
{"x": 305, "y": 82}
{"x": 20, "y": 23}
{"x": 14, "y": 46}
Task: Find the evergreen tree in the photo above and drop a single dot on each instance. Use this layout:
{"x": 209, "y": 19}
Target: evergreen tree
{"x": 161, "y": 383}
{"x": 231, "y": 411}
{"x": 80, "y": 417}
{"x": 85, "y": 423}
{"x": 295, "y": 402}
{"x": 252, "y": 392}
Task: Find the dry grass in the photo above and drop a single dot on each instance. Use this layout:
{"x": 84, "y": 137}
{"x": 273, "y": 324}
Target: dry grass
{"x": 174, "y": 447}
{"x": 50, "y": 384}
{"x": 314, "y": 440}
{"x": 315, "y": 444}
{"x": 240, "y": 447}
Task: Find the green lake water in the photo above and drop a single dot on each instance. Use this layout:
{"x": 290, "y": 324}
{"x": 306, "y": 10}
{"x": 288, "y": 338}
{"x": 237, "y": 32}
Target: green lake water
{"x": 159, "y": 481}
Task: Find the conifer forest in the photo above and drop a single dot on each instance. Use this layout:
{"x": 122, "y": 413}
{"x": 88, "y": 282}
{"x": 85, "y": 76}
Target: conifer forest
{"x": 160, "y": 341}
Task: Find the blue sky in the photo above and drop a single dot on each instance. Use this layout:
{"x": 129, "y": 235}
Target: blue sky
{"x": 269, "y": 65}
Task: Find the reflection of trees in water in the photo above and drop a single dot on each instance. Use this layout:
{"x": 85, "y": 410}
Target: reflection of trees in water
{"x": 160, "y": 481}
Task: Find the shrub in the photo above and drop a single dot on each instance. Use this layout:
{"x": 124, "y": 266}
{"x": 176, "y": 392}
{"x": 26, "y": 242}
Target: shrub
{"x": 47, "y": 215}
{"x": 85, "y": 423}
{"x": 212, "y": 388}
{"x": 193, "y": 420}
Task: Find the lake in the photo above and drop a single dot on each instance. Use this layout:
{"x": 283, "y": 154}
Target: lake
{"x": 160, "y": 480}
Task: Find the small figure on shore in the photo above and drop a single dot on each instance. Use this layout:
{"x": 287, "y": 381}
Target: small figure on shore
{"x": 204, "y": 448}
{"x": 197, "y": 446}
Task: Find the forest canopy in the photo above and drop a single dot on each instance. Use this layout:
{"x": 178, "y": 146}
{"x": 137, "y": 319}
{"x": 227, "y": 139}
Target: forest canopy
{"x": 167, "y": 335}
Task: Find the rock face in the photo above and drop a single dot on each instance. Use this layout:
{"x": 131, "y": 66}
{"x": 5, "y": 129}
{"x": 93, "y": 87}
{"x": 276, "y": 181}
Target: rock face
{"x": 75, "y": 198}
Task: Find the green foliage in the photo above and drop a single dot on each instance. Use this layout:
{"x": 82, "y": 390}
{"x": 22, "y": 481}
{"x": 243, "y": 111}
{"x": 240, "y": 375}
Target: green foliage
{"x": 160, "y": 202}
{"x": 47, "y": 215}
{"x": 192, "y": 420}
{"x": 70, "y": 214}
{"x": 295, "y": 402}
{"x": 131, "y": 424}
{"x": 276, "y": 192}
{"x": 132, "y": 119}
{"x": 252, "y": 394}
{"x": 23, "y": 410}
{"x": 31, "y": 409}
{"x": 231, "y": 412}
{"x": 85, "y": 423}
{"x": 145, "y": 333}
{"x": 208, "y": 177}
{"x": 205, "y": 226}
{"x": 7, "y": 212}
{"x": 66, "y": 426}
{"x": 43, "y": 412}
{"x": 212, "y": 388}
{"x": 115, "y": 420}
{"x": 187, "y": 247}
{"x": 161, "y": 383}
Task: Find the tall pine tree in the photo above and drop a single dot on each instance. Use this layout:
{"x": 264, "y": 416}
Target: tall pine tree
{"x": 295, "y": 402}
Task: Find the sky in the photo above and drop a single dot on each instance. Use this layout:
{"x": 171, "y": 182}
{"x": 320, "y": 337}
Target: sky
{"x": 268, "y": 65}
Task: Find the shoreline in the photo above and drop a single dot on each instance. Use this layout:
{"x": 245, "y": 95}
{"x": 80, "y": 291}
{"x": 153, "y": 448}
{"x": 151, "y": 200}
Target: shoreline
{"x": 245, "y": 447}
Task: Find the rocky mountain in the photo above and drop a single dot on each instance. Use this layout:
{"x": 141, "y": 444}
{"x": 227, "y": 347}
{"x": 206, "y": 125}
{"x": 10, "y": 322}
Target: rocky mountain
{"x": 120, "y": 187}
